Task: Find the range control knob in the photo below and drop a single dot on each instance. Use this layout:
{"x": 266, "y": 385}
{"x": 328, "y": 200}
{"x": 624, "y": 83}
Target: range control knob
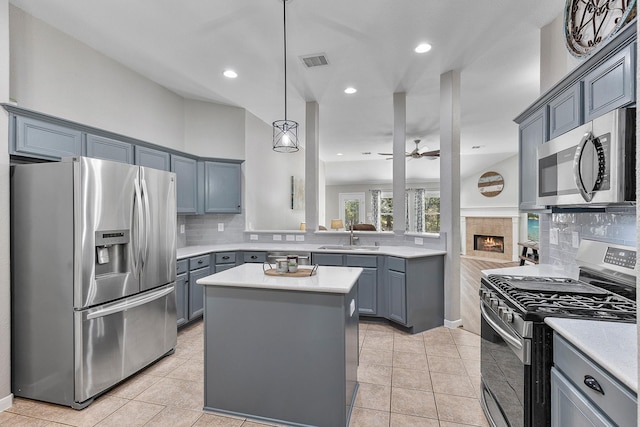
{"x": 507, "y": 315}
{"x": 494, "y": 303}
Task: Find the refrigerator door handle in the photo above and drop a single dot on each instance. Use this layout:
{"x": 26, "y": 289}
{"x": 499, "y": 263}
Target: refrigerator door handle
{"x": 130, "y": 303}
{"x": 147, "y": 222}
{"x": 138, "y": 235}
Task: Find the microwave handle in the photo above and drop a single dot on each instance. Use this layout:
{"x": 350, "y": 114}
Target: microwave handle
{"x": 587, "y": 194}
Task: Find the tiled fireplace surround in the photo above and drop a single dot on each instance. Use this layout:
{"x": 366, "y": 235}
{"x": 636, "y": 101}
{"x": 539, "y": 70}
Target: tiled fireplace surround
{"x": 491, "y": 226}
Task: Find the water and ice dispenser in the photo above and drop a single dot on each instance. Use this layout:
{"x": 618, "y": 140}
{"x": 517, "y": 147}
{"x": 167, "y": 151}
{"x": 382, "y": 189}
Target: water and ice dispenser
{"x": 111, "y": 251}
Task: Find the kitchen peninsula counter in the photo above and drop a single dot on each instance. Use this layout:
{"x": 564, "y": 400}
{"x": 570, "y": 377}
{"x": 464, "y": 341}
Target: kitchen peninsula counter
{"x": 399, "y": 251}
{"x": 282, "y": 349}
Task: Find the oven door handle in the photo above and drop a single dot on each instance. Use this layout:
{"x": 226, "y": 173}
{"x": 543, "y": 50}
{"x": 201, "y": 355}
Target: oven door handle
{"x": 515, "y": 342}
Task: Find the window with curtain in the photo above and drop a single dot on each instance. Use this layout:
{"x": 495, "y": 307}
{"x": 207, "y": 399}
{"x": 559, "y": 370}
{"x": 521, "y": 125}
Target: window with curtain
{"x": 386, "y": 212}
{"x": 431, "y": 212}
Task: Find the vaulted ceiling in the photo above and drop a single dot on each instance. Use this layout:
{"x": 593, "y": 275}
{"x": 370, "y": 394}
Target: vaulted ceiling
{"x": 186, "y": 45}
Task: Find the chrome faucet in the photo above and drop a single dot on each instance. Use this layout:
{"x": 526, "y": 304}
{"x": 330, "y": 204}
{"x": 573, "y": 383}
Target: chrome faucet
{"x": 352, "y": 238}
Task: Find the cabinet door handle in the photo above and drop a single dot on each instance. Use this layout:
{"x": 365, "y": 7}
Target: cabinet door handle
{"x": 593, "y": 384}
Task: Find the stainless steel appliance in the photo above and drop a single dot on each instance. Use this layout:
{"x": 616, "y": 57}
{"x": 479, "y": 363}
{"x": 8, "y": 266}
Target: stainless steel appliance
{"x": 591, "y": 164}
{"x": 93, "y": 250}
{"x": 517, "y": 346}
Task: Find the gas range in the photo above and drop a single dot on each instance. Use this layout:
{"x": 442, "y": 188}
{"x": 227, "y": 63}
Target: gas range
{"x": 517, "y": 346}
{"x": 534, "y": 298}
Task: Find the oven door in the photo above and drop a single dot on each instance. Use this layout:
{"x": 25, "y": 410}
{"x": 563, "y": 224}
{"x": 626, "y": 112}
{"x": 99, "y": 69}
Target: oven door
{"x": 504, "y": 358}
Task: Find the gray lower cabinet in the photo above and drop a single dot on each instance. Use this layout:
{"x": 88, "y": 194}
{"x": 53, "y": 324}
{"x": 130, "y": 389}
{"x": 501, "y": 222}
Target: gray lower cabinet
{"x": 224, "y": 261}
{"x": 198, "y": 268}
{"x": 612, "y": 84}
{"x": 256, "y": 257}
{"x": 584, "y": 393}
{"x": 149, "y": 157}
{"x": 182, "y": 291}
{"x": 222, "y": 187}
{"x": 397, "y": 296}
{"x": 186, "y": 172}
{"x": 44, "y": 140}
{"x": 100, "y": 147}
{"x": 532, "y": 133}
{"x": 367, "y": 283}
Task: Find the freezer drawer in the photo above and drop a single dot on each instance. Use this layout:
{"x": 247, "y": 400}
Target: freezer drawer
{"x": 116, "y": 340}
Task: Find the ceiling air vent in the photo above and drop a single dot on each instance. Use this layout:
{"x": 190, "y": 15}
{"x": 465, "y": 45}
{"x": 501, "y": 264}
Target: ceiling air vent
{"x": 316, "y": 60}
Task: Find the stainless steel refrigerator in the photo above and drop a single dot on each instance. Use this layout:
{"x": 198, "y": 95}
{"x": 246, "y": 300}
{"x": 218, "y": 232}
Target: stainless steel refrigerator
{"x": 93, "y": 250}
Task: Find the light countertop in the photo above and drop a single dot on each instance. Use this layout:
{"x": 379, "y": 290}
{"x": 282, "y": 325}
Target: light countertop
{"x": 612, "y": 345}
{"x": 337, "y": 280}
{"x": 399, "y": 251}
{"x": 541, "y": 270}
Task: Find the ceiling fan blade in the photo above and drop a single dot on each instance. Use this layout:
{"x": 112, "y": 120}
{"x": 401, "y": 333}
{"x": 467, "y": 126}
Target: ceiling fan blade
{"x": 434, "y": 153}
{"x": 386, "y": 154}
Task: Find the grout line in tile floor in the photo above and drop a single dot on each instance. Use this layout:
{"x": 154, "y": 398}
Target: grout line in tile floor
{"x": 428, "y": 379}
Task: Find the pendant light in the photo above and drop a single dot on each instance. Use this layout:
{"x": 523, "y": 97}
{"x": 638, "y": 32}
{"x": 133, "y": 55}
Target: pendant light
{"x": 285, "y": 132}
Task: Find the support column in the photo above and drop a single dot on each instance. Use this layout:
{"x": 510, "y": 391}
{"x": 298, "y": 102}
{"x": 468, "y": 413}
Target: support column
{"x": 450, "y": 192}
{"x": 6, "y": 398}
{"x": 311, "y": 162}
{"x": 399, "y": 148}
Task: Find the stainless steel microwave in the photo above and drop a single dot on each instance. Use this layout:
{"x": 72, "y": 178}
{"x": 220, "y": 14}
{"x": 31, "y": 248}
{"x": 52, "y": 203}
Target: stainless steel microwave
{"x": 592, "y": 164}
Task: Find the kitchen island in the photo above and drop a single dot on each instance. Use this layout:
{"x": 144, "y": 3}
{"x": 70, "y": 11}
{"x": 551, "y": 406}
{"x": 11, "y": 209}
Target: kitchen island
{"x": 282, "y": 349}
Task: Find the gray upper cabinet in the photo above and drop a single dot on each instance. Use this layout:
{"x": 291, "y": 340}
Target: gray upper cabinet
{"x": 100, "y": 147}
{"x": 611, "y": 84}
{"x": 222, "y": 187}
{"x": 43, "y": 140}
{"x": 565, "y": 111}
{"x": 185, "y": 169}
{"x": 532, "y": 134}
{"x": 152, "y": 158}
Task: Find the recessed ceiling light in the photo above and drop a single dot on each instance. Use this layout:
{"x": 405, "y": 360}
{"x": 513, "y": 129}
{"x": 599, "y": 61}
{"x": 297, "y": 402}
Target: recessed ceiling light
{"x": 350, "y": 90}
{"x": 338, "y": 154}
{"x": 230, "y": 74}
{"x": 423, "y": 48}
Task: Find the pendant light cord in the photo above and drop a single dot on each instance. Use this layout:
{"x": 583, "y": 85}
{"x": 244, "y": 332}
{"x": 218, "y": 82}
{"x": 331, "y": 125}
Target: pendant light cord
{"x": 284, "y": 7}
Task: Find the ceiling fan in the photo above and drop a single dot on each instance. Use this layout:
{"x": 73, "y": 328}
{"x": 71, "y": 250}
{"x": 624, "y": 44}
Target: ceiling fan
{"x": 416, "y": 154}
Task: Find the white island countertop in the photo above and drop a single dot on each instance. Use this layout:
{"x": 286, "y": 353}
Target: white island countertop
{"x": 399, "y": 251}
{"x": 337, "y": 280}
{"x": 612, "y": 345}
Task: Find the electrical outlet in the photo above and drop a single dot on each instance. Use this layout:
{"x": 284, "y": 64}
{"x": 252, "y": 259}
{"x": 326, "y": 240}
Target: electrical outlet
{"x": 300, "y": 238}
{"x": 221, "y": 226}
{"x": 575, "y": 239}
{"x": 553, "y": 236}
{"x": 181, "y": 228}
{"x": 290, "y": 238}
{"x": 253, "y": 237}
{"x": 277, "y": 237}
{"x": 418, "y": 241}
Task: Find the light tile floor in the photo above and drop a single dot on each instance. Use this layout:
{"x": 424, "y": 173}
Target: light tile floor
{"x": 428, "y": 379}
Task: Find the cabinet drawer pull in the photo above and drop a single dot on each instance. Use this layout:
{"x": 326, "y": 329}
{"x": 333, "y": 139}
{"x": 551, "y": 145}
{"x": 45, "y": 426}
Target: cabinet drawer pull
{"x": 200, "y": 261}
{"x": 225, "y": 257}
{"x": 593, "y": 384}
{"x": 254, "y": 257}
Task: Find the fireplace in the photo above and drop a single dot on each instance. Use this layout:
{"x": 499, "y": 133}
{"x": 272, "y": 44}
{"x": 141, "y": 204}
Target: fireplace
{"x": 488, "y": 243}
{"x": 493, "y": 238}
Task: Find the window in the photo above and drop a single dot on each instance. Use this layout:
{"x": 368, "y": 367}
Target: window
{"x": 386, "y": 212}
{"x": 431, "y": 212}
{"x": 352, "y": 206}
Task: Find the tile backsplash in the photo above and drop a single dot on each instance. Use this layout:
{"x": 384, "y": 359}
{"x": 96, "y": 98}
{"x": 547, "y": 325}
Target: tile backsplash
{"x": 563, "y": 232}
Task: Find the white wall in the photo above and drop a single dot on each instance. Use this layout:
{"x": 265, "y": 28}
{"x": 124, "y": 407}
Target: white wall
{"x": 5, "y": 307}
{"x": 55, "y": 74}
{"x": 268, "y": 180}
{"x": 214, "y": 130}
{"x": 472, "y": 199}
{"x": 555, "y": 59}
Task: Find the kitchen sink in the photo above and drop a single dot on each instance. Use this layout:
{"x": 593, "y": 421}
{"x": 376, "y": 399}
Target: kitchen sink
{"x": 350, "y": 248}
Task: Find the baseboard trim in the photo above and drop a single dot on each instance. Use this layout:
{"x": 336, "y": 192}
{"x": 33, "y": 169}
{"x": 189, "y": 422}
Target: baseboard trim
{"x": 6, "y": 402}
{"x": 452, "y": 324}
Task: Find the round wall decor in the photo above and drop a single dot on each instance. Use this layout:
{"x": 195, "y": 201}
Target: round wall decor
{"x": 589, "y": 23}
{"x": 490, "y": 184}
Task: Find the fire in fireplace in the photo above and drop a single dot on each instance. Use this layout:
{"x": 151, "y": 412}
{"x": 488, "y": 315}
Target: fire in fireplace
{"x": 488, "y": 243}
